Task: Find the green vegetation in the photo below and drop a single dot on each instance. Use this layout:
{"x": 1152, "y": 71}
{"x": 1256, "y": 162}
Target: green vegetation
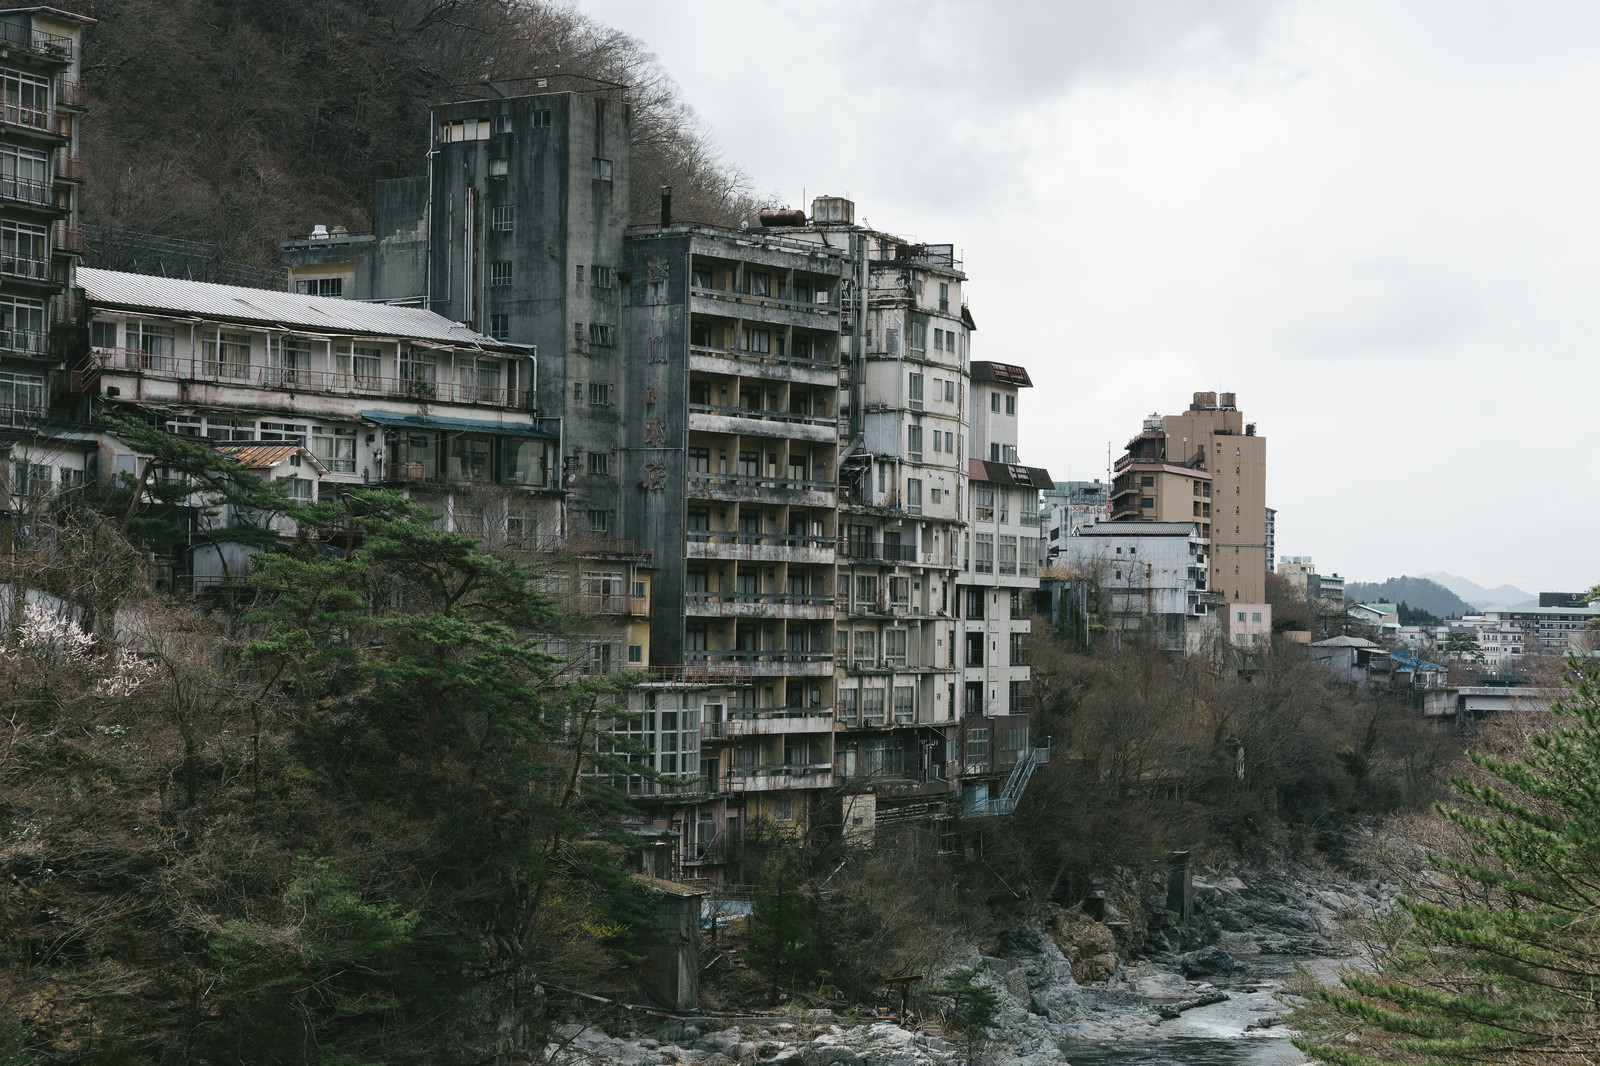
{"x": 1428, "y": 597}
{"x": 974, "y": 1008}
{"x": 1499, "y": 957}
{"x": 344, "y": 810}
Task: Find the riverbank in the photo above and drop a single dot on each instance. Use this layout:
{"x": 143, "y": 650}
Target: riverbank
{"x": 1144, "y": 985}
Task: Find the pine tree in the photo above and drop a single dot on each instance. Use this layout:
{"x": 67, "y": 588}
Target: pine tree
{"x": 973, "y": 1011}
{"x": 1510, "y": 971}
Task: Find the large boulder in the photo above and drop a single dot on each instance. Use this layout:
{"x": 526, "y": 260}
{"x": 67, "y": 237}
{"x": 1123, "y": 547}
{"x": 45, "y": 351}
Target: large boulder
{"x": 1209, "y": 962}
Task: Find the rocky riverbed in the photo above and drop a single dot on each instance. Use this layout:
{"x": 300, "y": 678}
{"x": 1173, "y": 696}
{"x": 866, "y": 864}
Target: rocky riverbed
{"x": 1141, "y": 987}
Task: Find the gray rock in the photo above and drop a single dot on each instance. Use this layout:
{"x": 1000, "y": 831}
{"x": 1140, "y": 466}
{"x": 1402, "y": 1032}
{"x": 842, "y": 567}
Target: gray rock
{"x": 1208, "y": 962}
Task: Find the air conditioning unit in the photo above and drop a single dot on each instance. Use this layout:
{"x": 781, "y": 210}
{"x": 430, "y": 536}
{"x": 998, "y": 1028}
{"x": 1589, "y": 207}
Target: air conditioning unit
{"x": 927, "y": 557}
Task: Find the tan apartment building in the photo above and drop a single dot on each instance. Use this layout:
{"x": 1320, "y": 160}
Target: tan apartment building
{"x": 1206, "y": 465}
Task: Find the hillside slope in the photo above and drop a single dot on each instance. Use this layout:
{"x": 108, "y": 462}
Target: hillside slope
{"x": 1499, "y": 596}
{"x": 241, "y": 123}
{"x": 1417, "y": 592}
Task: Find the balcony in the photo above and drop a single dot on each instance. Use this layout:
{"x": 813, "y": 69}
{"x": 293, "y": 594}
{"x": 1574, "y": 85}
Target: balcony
{"x": 754, "y": 605}
{"x": 66, "y": 309}
{"x": 25, "y": 191}
{"x": 51, "y": 46}
{"x": 290, "y": 379}
{"x": 69, "y": 167}
{"x": 735, "y": 488}
{"x": 766, "y": 663}
{"x": 709, "y": 359}
{"x": 758, "y": 548}
{"x": 873, "y": 551}
{"x": 779, "y": 721}
{"x": 18, "y": 415}
{"x": 608, "y": 603}
{"x": 762, "y": 308}
{"x": 70, "y": 93}
{"x": 779, "y": 777}
{"x": 710, "y": 418}
{"x": 24, "y": 267}
{"x": 31, "y": 342}
{"x": 32, "y": 119}
{"x": 66, "y": 240}
{"x": 581, "y": 547}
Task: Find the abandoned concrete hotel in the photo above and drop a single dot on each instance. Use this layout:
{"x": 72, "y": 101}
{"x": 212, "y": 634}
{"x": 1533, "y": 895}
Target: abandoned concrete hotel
{"x": 763, "y": 463}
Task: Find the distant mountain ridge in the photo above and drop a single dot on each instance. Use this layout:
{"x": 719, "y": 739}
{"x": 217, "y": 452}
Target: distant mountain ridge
{"x": 1419, "y": 592}
{"x": 1501, "y": 596}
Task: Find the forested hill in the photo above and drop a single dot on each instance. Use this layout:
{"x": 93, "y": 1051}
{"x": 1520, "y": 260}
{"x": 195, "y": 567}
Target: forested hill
{"x": 240, "y": 123}
{"x": 1418, "y": 592}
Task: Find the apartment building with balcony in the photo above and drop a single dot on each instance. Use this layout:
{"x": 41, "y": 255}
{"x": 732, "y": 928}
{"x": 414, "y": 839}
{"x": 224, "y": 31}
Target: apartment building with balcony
{"x": 996, "y": 584}
{"x": 729, "y": 465}
{"x": 41, "y": 312}
{"x": 1207, "y": 466}
{"x": 904, "y": 425}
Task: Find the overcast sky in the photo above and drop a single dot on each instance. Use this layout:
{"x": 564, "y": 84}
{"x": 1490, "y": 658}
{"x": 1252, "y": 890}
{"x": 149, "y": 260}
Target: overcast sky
{"x": 1375, "y": 222}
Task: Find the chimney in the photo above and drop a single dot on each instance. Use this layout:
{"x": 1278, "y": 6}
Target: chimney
{"x": 666, "y": 205}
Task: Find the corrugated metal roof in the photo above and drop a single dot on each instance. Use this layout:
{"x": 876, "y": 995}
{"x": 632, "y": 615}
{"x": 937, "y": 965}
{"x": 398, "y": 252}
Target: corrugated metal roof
{"x": 1007, "y": 373}
{"x": 235, "y": 303}
{"x": 264, "y": 455}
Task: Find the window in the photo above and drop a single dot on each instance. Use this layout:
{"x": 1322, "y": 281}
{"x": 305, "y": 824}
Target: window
{"x": 905, "y": 711}
{"x": 872, "y": 706}
{"x": 500, "y": 327}
{"x": 599, "y": 463}
{"x": 983, "y": 559}
{"x": 502, "y": 124}
{"x": 1008, "y": 555}
{"x": 499, "y": 168}
{"x": 1011, "y": 405}
{"x": 500, "y": 272}
{"x": 300, "y": 489}
{"x": 283, "y": 431}
{"x": 757, "y": 340}
{"x": 599, "y": 394}
{"x": 938, "y": 340}
{"x": 635, "y": 654}
{"x": 1147, "y": 502}
{"x": 541, "y": 119}
{"x": 418, "y": 366}
{"x": 1241, "y": 616}
{"x": 994, "y": 402}
{"x": 974, "y": 649}
{"x": 503, "y": 218}
{"x": 602, "y": 169}
{"x": 944, "y": 296}
{"x": 1028, "y": 557}
{"x": 226, "y": 355}
{"x": 359, "y": 366}
{"x": 602, "y": 334}
{"x": 758, "y": 284}
{"x": 894, "y": 647}
{"x": 1016, "y": 650}
{"x": 863, "y": 647}
{"x": 577, "y": 332}
{"x": 866, "y": 593}
{"x": 599, "y": 521}
{"x": 24, "y": 174}
{"x": 983, "y": 503}
{"x": 914, "y": 443}
{"x": 22, "y": 392}
{"x": 335, "y": 447}
{"x": 333, "y": 287}
{"x": 918, "y": 335}
{"x": 601, "y": 277}
{"x": 914, "y": 493}
{"x": 974, "y": 603}
{"x": 914, "y": 392}
{"x": 25, "y": 319}
{"x": 949, "y": 442}
{"x": 949, "y": 392}
{"x": 899, "y": 591}
{"x": 22, "y": 247}
{"x": 1147, "y": 481}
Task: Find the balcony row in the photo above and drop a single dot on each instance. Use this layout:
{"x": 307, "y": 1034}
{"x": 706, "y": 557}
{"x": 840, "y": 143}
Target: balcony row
{"x": 338, "y": 382}
{"x": 781, "y": 721}
{"x": 37, "y": 42}
{"x": 758, "y": 548}
{"x": 766, "y": 663}
{"x": 710, "y": 359}
{"x": 754, "y": 605}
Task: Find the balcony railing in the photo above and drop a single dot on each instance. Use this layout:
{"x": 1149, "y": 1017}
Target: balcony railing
{"x": 770, "y": 540}
{"x": 877, "y": 551}
{"x": 26, "y": 341}
{"x": 69, "y": 167}
{"x": 50, "y": 45}
{"x": 776, "y": 720}
{"x": 610, "y": 603}
{"x": 776, "y": 303}
{"x": 297, "y": 380}
{"x": 25, "y": 190}
{"x": 702, "y": 478}
{"x": 20, "y": 414}
{"x": 65, "y": 310}
{"x": 24, "y": 266}
{"x": 821, "y": 362}
{"x": 587, "y": 547}
{"x": 41, "y": 119}
{"x": 757, "y": 414}
{"x": 753, "y": 660}
{"x": 67, "y": 239}
{"x": 70, "y": 93}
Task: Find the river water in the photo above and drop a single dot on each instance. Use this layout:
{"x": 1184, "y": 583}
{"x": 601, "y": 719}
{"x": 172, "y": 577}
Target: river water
{"x": 1218, "y": 1035}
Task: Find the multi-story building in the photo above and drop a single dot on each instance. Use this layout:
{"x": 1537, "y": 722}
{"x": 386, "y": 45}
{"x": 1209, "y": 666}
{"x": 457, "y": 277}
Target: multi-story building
{"x": 1065, "y": 510}
{"x": 997, "y": 583}
{"x": 1549, "y": 629}
{"x": 41, "y": 310}
{"x": 1208, "y": 466}
{"x": 1150, "y": 580}
{"x": 1271, "y": 534}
